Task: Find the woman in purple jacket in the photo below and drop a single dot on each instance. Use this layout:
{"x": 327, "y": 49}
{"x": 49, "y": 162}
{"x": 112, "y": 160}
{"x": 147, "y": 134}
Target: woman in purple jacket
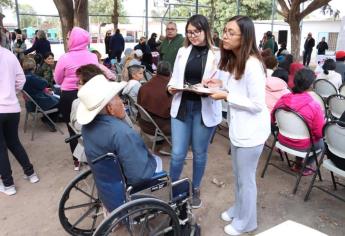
{"x": 12, "y": 81}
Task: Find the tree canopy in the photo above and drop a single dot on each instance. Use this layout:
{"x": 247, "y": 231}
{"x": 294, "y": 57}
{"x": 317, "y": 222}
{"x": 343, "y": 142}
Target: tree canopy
{"x": 105, "y": 7}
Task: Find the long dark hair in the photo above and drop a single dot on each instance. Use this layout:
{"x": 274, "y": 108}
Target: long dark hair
{"x": 232, "y": 63}
{"x": 200, "y": 22}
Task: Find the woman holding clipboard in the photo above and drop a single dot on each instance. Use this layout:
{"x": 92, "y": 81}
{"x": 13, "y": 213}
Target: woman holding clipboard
{"x": 194, "y": 116}
{"x": 243, "y": 75}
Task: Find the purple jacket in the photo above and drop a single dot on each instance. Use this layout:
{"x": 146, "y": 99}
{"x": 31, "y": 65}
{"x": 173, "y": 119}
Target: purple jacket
{"x": 12, "y": 80}
{"x": 77, "y": 56}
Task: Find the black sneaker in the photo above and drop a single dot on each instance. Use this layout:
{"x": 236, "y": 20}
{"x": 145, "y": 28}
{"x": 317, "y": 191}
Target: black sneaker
{"x": 196, "y": 201}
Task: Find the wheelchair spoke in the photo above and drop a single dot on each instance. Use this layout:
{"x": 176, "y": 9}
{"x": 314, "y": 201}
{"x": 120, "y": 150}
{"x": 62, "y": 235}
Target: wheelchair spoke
{"x": 92, "y": 204}
{"x": 145, "y": 224}
{"x": 83, "y": 216}
{"x": 87, "y": 194}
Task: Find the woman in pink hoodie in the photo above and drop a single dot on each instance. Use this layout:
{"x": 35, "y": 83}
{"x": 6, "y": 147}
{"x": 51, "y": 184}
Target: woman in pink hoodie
{"x": 301, "y": 102}
{"x": 65, "y": 74}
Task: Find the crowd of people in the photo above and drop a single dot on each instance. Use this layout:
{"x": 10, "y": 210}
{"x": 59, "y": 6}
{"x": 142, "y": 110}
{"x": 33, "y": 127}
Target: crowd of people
{"x": 252, "y": 80}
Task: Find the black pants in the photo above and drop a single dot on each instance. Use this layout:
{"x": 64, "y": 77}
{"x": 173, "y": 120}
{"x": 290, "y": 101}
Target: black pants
{"x": 9, "y": 139}
{"x": 306, "y": 57}
{"x": 66, "y": 100}
{"x": 117, "y": 56}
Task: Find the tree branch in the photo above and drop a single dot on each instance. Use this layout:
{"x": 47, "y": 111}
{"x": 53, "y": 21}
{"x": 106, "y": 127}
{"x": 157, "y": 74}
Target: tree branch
{"x": 283, "y": 5}
{"x": 283, "y": 14}
{"x": 316, "y": 4}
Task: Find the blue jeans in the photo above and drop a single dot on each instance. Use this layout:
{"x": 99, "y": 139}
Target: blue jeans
{"x": 190, "y": 131}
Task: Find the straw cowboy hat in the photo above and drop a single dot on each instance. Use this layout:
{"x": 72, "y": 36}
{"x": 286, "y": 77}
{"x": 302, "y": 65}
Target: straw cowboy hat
{"x": 94, "y": 96}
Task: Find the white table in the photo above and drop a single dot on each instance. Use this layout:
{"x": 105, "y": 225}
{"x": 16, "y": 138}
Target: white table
{"x": 291, "y": 228}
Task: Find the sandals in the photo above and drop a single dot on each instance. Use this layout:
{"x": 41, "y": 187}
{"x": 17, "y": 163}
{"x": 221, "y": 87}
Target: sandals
{"x": 306, "y": 172}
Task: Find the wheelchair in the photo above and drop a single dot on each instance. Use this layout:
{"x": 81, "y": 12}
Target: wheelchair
{"x": 156, "y": 207}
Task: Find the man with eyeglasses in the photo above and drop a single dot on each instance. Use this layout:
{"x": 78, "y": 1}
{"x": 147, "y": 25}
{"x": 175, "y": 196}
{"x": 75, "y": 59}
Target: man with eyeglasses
{"x": 171, "y": 44}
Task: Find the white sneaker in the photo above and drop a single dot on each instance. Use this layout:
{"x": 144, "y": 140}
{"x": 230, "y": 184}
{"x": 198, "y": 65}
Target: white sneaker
{"x": 229, "y": 230}
{"x": 11, "y": 190}
{"x": 32, "y": 178}
{"x": 225, "y": 216}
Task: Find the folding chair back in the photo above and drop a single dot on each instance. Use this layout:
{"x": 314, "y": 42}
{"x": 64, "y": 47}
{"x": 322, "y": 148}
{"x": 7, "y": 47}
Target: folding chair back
{"x": 317, "y": 98}
{"x": 336, "y": 105}
{"x": 158, "y": 132}
{"x": 324, "y": 88}
{"x": 335, "y": 138}
{"x": 342, "y": 90}
{"x": 130, "y": 107}
{"x": 291, "y": 124}
{"x": 32, "y": 106}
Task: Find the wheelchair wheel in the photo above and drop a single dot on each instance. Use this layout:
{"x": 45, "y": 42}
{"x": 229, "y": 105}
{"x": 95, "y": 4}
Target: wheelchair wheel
{"x": 80, "y": 210}
{"x": 141, "y": 217}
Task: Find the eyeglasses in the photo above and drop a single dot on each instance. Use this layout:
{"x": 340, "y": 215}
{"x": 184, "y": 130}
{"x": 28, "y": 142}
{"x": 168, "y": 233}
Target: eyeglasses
{"x": 229, "y": 33}
{"x": 190, "y": 34}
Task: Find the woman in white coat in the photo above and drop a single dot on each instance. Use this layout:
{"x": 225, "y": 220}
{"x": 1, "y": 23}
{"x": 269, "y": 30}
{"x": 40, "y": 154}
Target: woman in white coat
{"x": 193, "y": 116}
{"x": 243, "y": 75}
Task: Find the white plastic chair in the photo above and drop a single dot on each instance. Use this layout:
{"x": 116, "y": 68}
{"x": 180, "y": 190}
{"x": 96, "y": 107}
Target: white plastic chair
{"x": 334, "y": 135}
{"x": 342, "y": 90}
{"x": 324, "y": 88}
{"x": 336, "y": 105}
{"x": 292, "y": 125}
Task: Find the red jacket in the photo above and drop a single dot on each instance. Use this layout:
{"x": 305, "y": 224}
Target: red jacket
{"x": 310, "y": 110}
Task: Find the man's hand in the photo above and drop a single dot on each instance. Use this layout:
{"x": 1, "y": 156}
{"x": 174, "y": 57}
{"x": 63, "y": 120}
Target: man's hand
{"x": 219, "y": 95}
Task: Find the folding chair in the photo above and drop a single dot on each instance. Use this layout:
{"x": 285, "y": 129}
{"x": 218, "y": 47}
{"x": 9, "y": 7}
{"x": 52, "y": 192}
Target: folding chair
{"x": 34, "y": 109}
{"x": 334, "y": 136}
{"x": 317, "y": 98}
{"x": 336, "y": 105}
{"x": 342, "y": 90}
{"x": 159, "y": 134}
{"x": 324, "y": 88}
{"x": 130, "y": 107}
{"x": 292, "y": 125}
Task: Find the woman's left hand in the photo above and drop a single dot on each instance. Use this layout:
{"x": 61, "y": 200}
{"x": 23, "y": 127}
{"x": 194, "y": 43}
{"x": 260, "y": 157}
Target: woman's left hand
{"x": 219, "y": 95}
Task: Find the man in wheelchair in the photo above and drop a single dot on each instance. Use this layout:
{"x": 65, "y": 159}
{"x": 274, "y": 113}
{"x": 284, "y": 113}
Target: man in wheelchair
{"x": 101, "y": 112}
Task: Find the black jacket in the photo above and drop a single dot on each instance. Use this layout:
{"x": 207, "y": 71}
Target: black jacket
{"x": 309, "y": 44}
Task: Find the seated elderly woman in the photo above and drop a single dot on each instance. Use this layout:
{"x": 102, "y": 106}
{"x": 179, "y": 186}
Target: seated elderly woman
{"x": 301, "y": 102}
{"x": 37, "y": 88}
{"x": 155, "y": 100}
{"x": 135, "y": 74}
{"x": 275, "y": 87}
{"x": 101, "y": 114}
{"x": 330, "y": 74}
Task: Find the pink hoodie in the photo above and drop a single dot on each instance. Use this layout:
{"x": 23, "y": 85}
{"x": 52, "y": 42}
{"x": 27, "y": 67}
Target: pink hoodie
{"x": 77, "y": 55}
{"x": 275, "y": 88}
{"x": 310, "y": 110}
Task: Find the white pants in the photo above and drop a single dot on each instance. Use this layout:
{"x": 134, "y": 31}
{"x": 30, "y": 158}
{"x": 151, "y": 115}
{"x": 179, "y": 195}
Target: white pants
{"x": 244, "y": 163}
{"x": 159, "y": 162}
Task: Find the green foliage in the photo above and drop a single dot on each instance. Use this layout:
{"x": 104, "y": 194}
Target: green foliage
{"x": 224, "y": 9}
{"x": 105, "y": 7}
{"x": 6, "y": 3}
{"x": 26, "y": 21}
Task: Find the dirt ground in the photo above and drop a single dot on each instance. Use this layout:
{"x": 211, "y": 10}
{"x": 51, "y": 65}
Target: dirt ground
{"x": 33, "y": 210}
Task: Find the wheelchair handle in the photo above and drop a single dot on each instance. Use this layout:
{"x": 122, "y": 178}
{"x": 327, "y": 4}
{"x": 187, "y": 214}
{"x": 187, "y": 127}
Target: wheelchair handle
{"x": 102, "y": 157}
{"x": 73, "y": 137}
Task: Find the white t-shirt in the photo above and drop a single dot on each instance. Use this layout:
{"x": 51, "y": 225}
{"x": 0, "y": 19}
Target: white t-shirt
{"x": 333, "y": 77}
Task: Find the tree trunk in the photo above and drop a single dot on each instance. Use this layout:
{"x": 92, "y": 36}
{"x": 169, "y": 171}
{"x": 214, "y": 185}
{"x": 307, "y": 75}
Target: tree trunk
{"x": 81, "y": 14}
{"x": 66, "y": 17}
{"x": 115, "y": 16}
{"x": 295, "y": 39}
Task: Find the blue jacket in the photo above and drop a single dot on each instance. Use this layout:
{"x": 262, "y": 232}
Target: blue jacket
{"x": 35, "y": 86}
{"x": 109, "y": 134}
{"x": 116, "y": 44}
